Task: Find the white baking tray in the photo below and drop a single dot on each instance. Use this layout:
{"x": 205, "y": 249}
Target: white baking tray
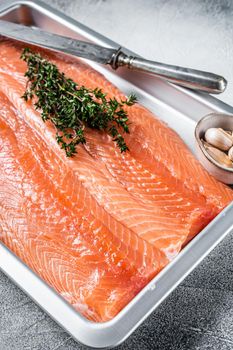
{"x": 181, "y": 109}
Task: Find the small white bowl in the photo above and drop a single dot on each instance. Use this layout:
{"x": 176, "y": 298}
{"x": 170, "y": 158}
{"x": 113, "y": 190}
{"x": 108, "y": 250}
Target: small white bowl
{"x": 213, "y": 120}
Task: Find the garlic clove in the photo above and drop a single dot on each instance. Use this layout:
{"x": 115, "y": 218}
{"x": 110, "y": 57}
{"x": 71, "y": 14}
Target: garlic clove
{"x": 230, "y": 153}
{"x": 219, "y": 138}
{"x": 228, "y": 132}
{"x": 218, "y": 155}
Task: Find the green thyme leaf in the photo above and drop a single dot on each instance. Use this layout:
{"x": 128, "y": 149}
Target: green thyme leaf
{"x": 70, "y": 107}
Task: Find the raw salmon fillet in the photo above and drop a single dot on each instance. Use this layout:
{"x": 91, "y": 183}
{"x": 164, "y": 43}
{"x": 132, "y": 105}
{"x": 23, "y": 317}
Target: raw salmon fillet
{"x": 99, "y": 226}
{"x": 97, "y": 270}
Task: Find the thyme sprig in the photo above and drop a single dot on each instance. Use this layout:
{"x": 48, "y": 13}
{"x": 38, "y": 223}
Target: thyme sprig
{"x": 72, "y": 108}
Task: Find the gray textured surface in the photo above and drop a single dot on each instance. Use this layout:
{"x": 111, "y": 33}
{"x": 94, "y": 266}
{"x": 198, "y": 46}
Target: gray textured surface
{"x": 199, "y": 314}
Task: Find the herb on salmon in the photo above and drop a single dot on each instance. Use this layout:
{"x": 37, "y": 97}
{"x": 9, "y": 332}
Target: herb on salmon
{"x": 71, "y": 107}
